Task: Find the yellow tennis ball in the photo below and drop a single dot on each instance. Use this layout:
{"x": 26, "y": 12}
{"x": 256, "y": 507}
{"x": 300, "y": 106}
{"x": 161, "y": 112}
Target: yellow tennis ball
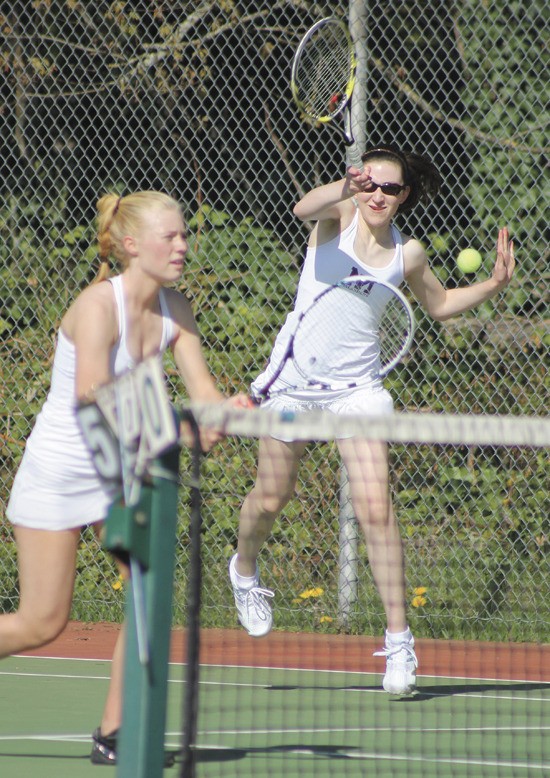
{"x": 469, "y": 260}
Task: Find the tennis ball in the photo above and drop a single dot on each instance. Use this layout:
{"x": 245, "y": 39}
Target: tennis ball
{"x": 469, "y": 260}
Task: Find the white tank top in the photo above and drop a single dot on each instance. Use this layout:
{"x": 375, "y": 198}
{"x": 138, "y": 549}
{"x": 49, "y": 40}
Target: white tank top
{"x": 328, "y": 263}
{"x": 62, "y": 388}
{"x": 120, "y": 356}
{"x": 324, "y": 266}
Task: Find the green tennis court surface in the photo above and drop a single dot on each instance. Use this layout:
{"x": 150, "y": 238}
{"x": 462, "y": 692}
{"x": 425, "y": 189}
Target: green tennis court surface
{"x": 263, "y": 721}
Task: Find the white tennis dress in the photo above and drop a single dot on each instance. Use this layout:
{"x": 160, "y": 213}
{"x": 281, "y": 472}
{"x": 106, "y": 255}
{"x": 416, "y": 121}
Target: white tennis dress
{"x": 325, "y": 265}
{"x": 56, "y": 486}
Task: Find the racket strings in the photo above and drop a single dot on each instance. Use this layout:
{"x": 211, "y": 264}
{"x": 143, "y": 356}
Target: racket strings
{"x": 393, "y": 331}
{"x": 334, "y": 334}
{"x": 324, "y": 71}
{"x": 352, "y": 330}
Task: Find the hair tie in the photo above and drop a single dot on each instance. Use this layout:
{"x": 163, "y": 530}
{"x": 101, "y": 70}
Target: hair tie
{"x": 115, "y": 209}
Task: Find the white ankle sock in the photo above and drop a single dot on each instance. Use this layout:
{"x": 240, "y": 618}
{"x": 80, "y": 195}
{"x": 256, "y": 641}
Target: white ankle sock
{"x": 244, "y": 581}
{"x": 399, "y": 637}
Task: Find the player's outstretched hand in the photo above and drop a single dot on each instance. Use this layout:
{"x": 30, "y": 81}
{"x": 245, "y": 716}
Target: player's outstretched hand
{"x": 240, "y": 401}
{"x": 210, "y": 436}
{"x": 357, "y": 179}
{"x": 505, "y": 262}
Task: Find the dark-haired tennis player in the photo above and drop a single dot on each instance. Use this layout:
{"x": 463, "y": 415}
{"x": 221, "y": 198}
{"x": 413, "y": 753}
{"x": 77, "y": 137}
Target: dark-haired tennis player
{"x": 112, "y": 325}
{"x": 354, "y": 234}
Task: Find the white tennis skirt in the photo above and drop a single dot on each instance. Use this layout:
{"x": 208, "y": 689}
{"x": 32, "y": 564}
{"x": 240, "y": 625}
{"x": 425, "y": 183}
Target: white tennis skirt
{"x": 56, "y": 486}
{"x": 368, "y": 401}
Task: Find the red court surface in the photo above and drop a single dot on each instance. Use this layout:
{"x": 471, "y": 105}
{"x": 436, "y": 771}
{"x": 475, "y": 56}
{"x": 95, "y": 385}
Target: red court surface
{"x": 451, "y": 659}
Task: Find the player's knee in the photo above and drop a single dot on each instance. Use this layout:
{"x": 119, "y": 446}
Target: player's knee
{"x": 274, "y": 504}
{"x": 40, "y": 631}
{"x": 375, "y": 516}
{"x": 268, "y": 503}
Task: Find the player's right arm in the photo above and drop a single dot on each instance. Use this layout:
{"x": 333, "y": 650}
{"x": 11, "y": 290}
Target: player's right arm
{"x": 91, "y": 324}
{"x": 332, "y": 201}
{"x": 331, "y": 205}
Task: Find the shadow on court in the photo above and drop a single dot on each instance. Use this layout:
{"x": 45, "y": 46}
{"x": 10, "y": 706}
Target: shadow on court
{"x": 426, "y": 693}
{"x": 423, "y": 693}
{"x": 233, "y": 754}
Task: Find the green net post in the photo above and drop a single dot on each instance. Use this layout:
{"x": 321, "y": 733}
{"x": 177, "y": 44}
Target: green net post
{"x": 146, "y": 533}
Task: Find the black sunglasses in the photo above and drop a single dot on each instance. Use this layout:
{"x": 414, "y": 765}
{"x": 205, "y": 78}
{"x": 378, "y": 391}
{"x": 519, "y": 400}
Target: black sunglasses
{"x": 387, "y": 189}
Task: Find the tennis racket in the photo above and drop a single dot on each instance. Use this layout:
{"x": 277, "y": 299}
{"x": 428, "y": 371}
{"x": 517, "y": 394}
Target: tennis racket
{"x": 353, "y": 332}
{"x": 323, "y": 78}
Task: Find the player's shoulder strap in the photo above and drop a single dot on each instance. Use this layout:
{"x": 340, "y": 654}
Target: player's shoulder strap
{"x": 116, "y": 283}
{"x": 347, "y": 235}
{"x": 167, "y": 321}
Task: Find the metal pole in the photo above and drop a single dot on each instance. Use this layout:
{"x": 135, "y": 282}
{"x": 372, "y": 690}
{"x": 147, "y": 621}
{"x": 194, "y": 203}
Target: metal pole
{"x": 141, "y": 743}
{"x": 358, "y": 30}
{"x": 347, "y": 582}
{"x": 191, "y": 695}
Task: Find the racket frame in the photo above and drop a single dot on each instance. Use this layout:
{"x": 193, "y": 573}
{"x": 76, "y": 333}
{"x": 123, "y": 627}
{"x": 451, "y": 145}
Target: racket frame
{"x": 343, "y": 109}
{"x": 348, "y": 282}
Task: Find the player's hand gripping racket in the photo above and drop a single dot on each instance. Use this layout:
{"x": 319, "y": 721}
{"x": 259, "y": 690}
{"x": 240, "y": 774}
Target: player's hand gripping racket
{"x": 352, "y": 333}
{"x": 323, "y": 78}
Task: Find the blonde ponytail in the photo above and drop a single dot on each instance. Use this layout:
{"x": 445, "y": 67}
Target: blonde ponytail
{"x": 108, "y": 207}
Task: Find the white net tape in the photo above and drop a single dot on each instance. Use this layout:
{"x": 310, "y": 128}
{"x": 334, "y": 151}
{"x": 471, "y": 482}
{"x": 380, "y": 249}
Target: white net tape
{"x": 455, "y": 429}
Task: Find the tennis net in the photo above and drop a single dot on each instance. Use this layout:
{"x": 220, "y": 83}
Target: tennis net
{"x": 470, "y": 495}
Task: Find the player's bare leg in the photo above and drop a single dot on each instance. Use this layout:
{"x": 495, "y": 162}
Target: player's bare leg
{"x": 47, "y": 565}
{"x": 368, "y": 471}
{"x": 275, "y": 481}
{"x": 367, "y": 466}
{"x": 112, "y": 712}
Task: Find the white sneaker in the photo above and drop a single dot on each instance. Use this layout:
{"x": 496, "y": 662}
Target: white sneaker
{"x": 401, "y": 664}
{"x": 252, "y": 604}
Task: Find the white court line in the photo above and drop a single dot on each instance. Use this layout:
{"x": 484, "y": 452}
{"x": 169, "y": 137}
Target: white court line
{"x": 418, "y": 693}
{"x": 63, "y": 676}
{"x": 288, "y": 669}
{"x": 59, "y": 738}
{"x": 59, "y": 658}
{"x": 367, "y": 730}
{"x": 305, "y": 751}
{"x": 236, "y": 684}
{"x": 378, "y": 673}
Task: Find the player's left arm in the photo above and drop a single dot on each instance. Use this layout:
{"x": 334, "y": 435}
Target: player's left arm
{"x": 193, "y": 367}
{"x": 188, "y": 355}
{"x": 441, "y": 303}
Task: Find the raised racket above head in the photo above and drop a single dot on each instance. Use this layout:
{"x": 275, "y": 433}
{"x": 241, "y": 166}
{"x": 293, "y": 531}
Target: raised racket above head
{"x": 352, "y": 333}
{"x": 323, "y": 78}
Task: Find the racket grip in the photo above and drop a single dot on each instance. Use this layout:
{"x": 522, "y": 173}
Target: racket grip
{"x": 353, "y": 156}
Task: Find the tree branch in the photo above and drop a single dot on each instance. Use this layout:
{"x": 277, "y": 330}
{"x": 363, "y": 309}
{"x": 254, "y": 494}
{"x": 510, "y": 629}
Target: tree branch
{"x": 456, "y": 124}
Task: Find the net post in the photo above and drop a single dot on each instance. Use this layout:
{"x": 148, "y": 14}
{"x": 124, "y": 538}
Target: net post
{"x": 191, "y": 694}
{"x": 141, "y": 742}
{"x": 348, "y": 543}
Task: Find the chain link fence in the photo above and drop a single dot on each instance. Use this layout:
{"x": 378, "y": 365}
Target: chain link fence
{"x": 193, "y": 98}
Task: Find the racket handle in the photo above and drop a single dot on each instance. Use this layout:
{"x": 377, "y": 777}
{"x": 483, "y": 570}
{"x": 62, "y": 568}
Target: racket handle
{"x": 353, "y": 156}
